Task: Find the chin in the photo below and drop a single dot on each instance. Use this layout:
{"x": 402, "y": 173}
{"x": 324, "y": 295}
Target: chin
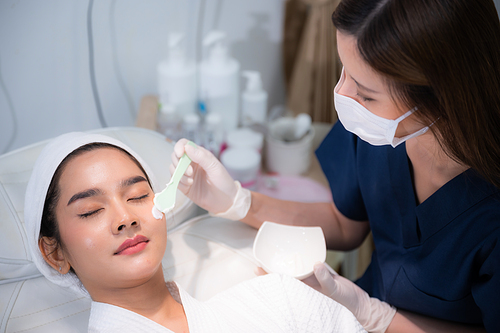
{"x": 139, "y": 276}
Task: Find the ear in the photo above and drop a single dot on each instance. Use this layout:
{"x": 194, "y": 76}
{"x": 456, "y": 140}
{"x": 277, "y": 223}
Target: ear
{"x": 53, "y": 254}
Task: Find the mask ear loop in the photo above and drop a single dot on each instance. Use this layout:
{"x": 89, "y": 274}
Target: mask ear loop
{"x": 390, "y": 134}
{"x": 406, "y": 115}
{"x": 396, "y": 141}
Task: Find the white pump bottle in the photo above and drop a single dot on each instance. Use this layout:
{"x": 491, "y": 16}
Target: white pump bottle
{"x": 219, "y": 80}
{"x": 177, "y": 78}
{"x": 253, "y": 100}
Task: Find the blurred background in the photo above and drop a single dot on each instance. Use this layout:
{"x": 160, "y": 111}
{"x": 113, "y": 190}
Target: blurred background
{"x": 62, "y": 63}
{"x": 82, "y": 65}
{"x": 45, "y": 79}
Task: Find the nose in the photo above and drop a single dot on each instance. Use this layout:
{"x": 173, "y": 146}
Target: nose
{"x": 341, "y": 88}
{"x": 123, "y": 225}
{"x": 346, "y": 87}
{"x": 124, "y": 219}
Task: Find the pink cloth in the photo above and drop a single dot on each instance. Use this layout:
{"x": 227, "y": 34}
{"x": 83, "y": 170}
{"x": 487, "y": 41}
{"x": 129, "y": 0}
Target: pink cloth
{"x": 293, "y": 188}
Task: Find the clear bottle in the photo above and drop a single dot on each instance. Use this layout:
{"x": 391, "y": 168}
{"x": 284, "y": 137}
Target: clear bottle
{"x": 253, "y": 100}
{"x": 169, "y": 122}
{"x": 191, "y": 128}
{"x": 177, "y": 77}
{"x": 219, "y": 80}
{"x": 213, "y": 133}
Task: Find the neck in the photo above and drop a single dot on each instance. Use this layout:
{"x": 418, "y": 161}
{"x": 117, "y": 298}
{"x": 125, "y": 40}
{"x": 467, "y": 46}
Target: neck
{"x": 432, "y": 167}
{"x": 151, "y": 299}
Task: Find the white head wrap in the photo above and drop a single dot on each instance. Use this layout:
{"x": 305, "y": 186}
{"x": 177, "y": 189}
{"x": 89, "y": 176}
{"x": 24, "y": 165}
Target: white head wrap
{"x": 38, "y": 185}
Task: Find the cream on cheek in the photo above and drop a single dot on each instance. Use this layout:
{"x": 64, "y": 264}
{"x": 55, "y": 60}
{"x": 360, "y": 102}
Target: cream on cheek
{"x": 77, "y": 243}
{"x": 89, "y": 243}
{"x": 156, "y": 213}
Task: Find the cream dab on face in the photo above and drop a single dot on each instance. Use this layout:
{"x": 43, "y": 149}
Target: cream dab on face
{"x": 156, "y": 213}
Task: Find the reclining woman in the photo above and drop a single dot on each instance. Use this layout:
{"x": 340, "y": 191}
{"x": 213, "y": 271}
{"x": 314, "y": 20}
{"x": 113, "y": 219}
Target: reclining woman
{"x": 88, "y": 215}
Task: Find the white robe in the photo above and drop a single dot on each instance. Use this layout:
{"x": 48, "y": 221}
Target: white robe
{"x": 271, "y": 303}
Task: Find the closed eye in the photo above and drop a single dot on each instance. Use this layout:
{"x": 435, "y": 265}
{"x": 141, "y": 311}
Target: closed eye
{"x": 142, "y": 197}
{"x": 89, "y": 214}
{"x": 365, "y": 99}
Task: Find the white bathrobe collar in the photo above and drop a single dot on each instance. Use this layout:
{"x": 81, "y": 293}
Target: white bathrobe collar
{"x": 268, "y": 304}
{"x": 107, "y": 318}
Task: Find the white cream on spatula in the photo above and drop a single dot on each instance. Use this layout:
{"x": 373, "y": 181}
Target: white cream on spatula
{"x": 165, "y": 200}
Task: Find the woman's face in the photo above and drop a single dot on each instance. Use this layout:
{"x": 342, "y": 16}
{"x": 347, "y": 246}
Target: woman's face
{"x": 368, "y": 87}
{"x": 110, "y": 236}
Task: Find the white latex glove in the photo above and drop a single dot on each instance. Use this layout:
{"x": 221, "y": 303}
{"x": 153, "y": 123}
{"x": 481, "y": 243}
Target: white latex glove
{"x": 208, "y": 184}
{"x": 374, "y": 314}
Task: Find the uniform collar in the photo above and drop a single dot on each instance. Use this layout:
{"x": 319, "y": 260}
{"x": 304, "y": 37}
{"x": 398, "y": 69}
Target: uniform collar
{"x": 453, "y": 199}
{"x": 419, "y": 222}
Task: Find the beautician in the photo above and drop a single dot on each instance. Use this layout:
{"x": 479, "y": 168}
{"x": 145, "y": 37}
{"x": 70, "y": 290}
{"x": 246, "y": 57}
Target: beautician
{"x": 415, "y": 159}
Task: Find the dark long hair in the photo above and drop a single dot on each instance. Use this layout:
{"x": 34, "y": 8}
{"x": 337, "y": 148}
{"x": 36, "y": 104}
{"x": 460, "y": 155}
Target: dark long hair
{"x": 442, "y": 56}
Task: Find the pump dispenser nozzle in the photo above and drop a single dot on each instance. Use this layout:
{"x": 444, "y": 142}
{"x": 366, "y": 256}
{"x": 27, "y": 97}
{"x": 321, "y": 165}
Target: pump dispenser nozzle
{"x": 214, "y": 36}
{"x": 174, "y": 39}
{"x": 215, "y": 40}
{"x": 175, "y": 50}
{"x": 254, "y": 82}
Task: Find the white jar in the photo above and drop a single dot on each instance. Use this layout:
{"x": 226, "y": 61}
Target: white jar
{"x": 243, "y": 164}
{"x": 245, "y": 138}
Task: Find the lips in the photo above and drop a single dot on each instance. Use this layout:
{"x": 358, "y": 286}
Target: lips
{"x": 132, "y": 245}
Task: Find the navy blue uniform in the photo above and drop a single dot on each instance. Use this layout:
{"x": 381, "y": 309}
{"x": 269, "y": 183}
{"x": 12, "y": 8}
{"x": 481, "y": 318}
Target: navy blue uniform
{"x": 440, "y": 258}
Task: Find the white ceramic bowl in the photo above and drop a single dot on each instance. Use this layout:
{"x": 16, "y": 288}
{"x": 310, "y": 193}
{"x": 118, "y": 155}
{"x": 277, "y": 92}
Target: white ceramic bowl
{"x": 289, "y": 250}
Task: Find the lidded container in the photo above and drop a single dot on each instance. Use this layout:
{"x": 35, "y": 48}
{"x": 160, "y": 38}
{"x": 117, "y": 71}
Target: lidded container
{"x": 177, "y": 78}
{"x": 243, "y": 164}
{"x": 253, "y": 100}
{"x": 219, "y": 80}
{"x": 245, "y": 138}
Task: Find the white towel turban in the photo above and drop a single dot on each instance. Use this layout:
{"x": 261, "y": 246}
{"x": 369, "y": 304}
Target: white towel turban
{"x": 38, "y": 185}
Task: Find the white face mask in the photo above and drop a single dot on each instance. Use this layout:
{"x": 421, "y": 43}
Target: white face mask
{"x": 369, "y": 127}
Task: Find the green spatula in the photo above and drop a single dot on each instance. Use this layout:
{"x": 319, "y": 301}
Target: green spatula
{"x": 165, "y": 200}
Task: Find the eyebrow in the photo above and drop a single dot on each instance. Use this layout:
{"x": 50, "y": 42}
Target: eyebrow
{"x": 84, "y": 194}
{"x": 363, "y": 87}
{"x": 133, "y": 180}
{"x": 95, "y": 191}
